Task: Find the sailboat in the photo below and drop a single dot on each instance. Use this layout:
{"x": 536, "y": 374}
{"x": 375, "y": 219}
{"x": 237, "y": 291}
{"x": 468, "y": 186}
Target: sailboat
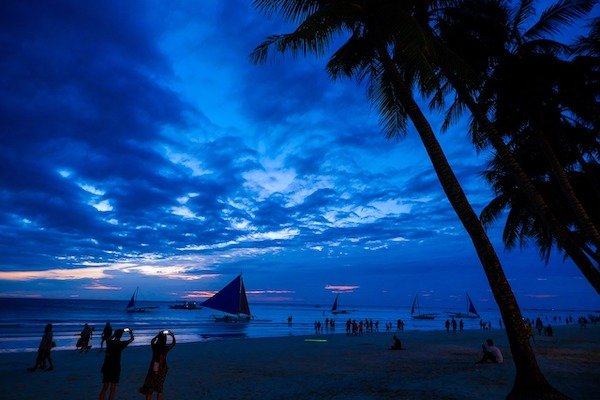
{"x": 232, "y": 301}
{"x": 335, "y": 309}
{"x": 471, "y": 311}
{"x": 418, "y": 314}
{"x": 132, "y": 308}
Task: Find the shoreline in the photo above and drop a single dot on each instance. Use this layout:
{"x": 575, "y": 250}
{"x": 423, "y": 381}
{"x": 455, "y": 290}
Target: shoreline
{"x": 434, "y": 364}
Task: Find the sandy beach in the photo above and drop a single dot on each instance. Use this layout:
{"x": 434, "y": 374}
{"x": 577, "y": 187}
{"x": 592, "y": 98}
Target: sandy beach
{"x": 434, "y": 365}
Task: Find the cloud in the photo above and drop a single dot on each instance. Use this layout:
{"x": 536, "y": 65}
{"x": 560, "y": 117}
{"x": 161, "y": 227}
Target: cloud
{"x": 99, "y": 286}
{"x": 341, "y": 288}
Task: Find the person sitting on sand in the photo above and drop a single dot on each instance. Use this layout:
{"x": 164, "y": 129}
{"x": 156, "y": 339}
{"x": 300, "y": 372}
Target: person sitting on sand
{"x": 157, "y": 372}
{"x": 396, "y": 343}
{"x": 491, "y": 353}
{"x": 111, "y": 369}
{"x": 43, "y": 353}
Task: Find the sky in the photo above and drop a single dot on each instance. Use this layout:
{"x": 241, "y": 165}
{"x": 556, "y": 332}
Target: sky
{"x": 140, "y": 147}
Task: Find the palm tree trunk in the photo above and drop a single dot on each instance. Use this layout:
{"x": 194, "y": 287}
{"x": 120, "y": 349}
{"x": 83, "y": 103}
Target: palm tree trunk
{"x": 560, "y": 232}
{"x": 529, "y": 381}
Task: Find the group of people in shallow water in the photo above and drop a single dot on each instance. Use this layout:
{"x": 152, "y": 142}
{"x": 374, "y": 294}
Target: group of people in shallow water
{"x": 111, "y": 367}
{"x": 452, "y": 323}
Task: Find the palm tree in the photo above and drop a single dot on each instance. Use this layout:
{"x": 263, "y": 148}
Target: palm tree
{"x": 387, "y": 46}
{"x": 467, "y": 73}
{"x": 534, "y": 88}
{"x": 522, "y": 223}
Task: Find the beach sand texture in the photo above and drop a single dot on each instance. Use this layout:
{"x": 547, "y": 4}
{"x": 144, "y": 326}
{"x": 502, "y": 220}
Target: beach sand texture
{"x": 434, "y": 365}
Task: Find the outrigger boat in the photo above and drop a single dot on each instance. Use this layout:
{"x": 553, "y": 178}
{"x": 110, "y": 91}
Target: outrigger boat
{"x": 336, "y": 310}
{"x": 471, "y": 311}
{"x": 416, "y": 313}
{"x": 133, "y": 308}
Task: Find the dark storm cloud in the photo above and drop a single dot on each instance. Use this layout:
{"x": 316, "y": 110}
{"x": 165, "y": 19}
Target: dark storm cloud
{"x": 79, "y": 94}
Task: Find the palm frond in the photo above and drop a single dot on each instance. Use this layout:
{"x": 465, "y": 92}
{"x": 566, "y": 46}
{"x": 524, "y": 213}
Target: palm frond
{"x": 382, "y": 93}
{"x": 453, "y": 113}
{"x": 557, "y": 16}
{"x": 351, "y": 59}
{"x": 414, "y": 51}
{"x": 313, "y": 35}
{"x": 589, "y": 44}
{"x": 294, "y": 11}
{"x": 543, "y": 45}
{"x": 494, "y": 209}
{"x": 513, "y": 230}
{"x": 519, "y": 15}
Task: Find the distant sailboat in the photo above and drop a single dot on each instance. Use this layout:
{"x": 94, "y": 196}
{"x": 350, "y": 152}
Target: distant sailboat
{"x": 131, "y": 306}
{"x": 335, "y": 309}
{"x": 416, "y": 313}
{"x": 471, "y": 311}
{"x": 231, "y": 300}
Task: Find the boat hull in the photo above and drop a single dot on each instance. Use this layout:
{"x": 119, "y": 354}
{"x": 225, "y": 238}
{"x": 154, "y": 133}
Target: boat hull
{"x": 424, "y": 316}
{"x": 185, "y": 306}
{"x": 139, "y": 309}
{"x": 231, "y": 318}
{"x": 464, "y": 316}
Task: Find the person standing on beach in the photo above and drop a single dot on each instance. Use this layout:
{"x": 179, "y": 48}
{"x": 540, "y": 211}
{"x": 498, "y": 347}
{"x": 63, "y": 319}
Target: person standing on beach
{"x": 157, "y": 371}
{"x": 111, "y": 369}
{"x": 44, "y": 349}
{"x": 84, "y": 340}
{"x": 106, "y": 334}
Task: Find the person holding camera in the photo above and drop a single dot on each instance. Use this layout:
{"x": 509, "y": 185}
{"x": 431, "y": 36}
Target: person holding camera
{"x": 157, "y": 371}
{"x": 111, "y": 369}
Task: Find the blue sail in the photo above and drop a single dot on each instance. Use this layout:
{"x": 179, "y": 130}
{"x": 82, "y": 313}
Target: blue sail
{"x": 471, "y": 306}
{"x": 132, "y": 301}
{"x": 335, "y": 303}
{"x": 231, "y": 299}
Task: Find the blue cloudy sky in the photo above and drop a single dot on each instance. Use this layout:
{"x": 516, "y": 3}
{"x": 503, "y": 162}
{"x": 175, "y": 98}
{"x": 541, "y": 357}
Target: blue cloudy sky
{"x": 139, "y": 146}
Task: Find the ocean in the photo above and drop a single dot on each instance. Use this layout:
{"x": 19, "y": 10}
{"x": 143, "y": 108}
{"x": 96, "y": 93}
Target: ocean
{"x": 22, "y": 321}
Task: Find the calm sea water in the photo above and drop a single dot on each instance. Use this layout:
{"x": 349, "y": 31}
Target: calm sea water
{"x": 22, "y": 321}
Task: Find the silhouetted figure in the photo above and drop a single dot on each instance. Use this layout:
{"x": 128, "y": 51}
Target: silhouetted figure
{"x": 44, "y": 349}
{"x": 157, "y": 371}
{"x": 447, "y": 325}
{"x": 111, "y": 369}
{"x": 396, "y": 343}
{"x": 106, "y": 334}
{"x": 539, "y": 325}
{"x": 491, "y": 353}
{"x": 461, "y": 325}
{"x": 83, "y": 343}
